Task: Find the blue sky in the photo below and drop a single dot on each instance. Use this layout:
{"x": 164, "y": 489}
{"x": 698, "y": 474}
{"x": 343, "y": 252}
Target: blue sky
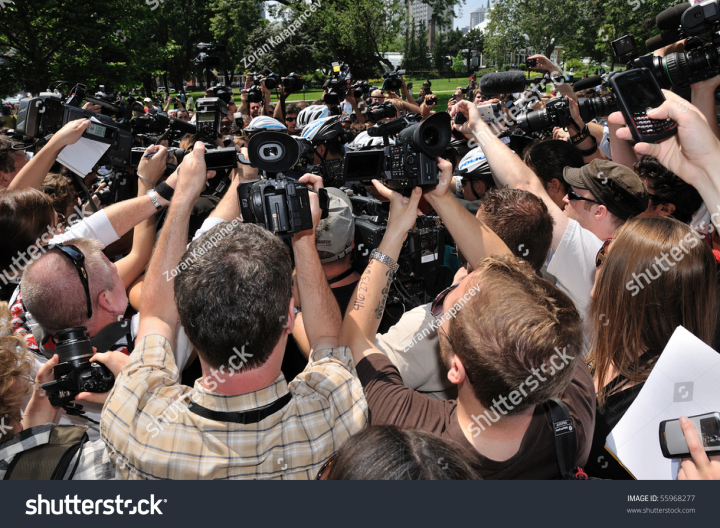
{"x": 464, "y": 19}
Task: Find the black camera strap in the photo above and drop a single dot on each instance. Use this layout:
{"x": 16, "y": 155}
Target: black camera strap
{"x": 565, "y": 440}
{"x": 342, "y": 276}
{"x": 246, "y": 417}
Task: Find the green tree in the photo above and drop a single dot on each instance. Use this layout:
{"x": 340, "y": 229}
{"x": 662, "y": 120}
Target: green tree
{"x": 458, "y": 65}
{"x": 446, "y": 45}
{"x": 473, "y": 41}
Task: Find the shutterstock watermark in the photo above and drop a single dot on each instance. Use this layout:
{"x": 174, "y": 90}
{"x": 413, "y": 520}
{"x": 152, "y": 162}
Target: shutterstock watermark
{"x": 180, "y": 405}
{"x": 284, "y": 35}
{"x": 516, "y": 397}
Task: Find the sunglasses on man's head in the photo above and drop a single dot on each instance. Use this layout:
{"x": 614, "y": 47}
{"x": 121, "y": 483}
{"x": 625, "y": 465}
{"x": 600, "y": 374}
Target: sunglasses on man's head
{"x": 78, "y": 259}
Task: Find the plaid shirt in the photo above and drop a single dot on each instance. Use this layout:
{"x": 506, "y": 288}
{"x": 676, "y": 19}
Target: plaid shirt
{"x": 95, "y": 462}
{"x": 151, "y": 433}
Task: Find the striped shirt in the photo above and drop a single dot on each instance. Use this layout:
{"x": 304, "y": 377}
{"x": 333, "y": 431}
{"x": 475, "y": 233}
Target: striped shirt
{"x": 151, "y": 433}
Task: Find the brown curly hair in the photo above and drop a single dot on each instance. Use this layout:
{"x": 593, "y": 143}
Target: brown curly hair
{"x": 62, "y": 195}
{"x": 15, "y": 365}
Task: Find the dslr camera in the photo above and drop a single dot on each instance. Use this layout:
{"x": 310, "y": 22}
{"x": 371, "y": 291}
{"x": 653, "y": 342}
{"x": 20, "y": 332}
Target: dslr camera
{"x": 75, "y": 373}
{"x": 555, "y": 114}
{"x": 411, "y": 161}
{"x": 393, "y": 80}
{"x": 292, "y": 83}
{"x": 255, "y": 93}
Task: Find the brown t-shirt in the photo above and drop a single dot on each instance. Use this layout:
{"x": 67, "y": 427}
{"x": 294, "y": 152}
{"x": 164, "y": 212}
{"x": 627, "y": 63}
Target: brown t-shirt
{"x": 391, "y": 402}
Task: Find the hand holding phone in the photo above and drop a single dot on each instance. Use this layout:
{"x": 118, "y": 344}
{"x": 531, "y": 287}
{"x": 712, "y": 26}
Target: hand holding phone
{"x": 673, "y": 442}
{"x": 531, "y": 63}
{"x": 637, "y": 92}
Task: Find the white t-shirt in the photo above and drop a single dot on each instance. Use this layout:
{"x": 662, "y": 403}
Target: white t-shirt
{"x": 573, "y": 264}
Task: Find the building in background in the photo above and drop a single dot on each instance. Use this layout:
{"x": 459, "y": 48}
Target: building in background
{"x": 419, "y": 12}
{"x": 478, "y": 16}
{"x": 465, "y": 29}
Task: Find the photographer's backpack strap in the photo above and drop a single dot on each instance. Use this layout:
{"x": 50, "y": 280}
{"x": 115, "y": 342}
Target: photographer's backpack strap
{"x": 111, "y": 334}
{"x": 565, "y": 441}
{"x": 52, "y": 460}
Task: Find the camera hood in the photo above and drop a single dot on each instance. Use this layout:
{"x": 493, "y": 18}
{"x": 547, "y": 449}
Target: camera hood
{"x": 430, "y": 137}
{"x": 275, "y": 151}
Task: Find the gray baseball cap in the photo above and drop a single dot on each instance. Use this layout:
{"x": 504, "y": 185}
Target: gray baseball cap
{"x": 335, "y": 233}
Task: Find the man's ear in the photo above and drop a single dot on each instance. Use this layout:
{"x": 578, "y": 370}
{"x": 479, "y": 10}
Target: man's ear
{"x": 290, "y": 317}
{"x": 666, "y": 209}
{"x": 555, "y": 186}
{"x": 601, "y": 212}
{"x": 456, "y": 374}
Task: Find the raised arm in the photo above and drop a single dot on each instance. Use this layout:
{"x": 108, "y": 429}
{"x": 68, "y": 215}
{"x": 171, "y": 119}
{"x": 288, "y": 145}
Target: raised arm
{"x": 34, "y": 172}
{"x": 693, "y": 153}
{"x": 158, "y": 312}
{"x": 507, "y": 167}
{"x": 130, "y": 267}
{"x": 475, "y": 240}
{"x": 703, "y": 97}
{"x": 555, "y": 72}
{"x": 367, "y": 306}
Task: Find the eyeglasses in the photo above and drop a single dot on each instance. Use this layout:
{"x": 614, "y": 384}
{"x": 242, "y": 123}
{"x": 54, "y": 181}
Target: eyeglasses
{"x": 602, "y": 253}
{"x": 326, "y": 466}
{"x": 78, "y": 260}
{"x": 572, "y": 195}
{"x": 436, "y": 308}
{"x": 291, "y": 119}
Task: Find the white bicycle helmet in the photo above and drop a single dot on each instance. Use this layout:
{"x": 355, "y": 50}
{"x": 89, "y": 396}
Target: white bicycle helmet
{"x": 324, "y": 129}
{"x": 310, "y": 114}
{"x": 365, "y": 141}
{"x": 474, "y": 165}
{"x": 265, "y": 123}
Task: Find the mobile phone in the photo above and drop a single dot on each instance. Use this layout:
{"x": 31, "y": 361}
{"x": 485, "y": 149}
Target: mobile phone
{"x": 460, "y": 119}
{"x": 531, "y": 63}
{"x": 637, "y": 92}
{"x": 672, "y": 439}
{"x": 432, "y": 100}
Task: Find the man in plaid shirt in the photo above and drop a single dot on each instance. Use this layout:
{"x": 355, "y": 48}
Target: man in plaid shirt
{"x": 233, "y": 295}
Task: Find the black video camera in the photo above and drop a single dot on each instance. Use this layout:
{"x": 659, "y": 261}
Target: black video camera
{"x": 411, "y": 161}
{"x": 48, "y": 113}
{"x": 360, "y": 89}
{"x": 75, "y": 373}
{"x": 336, "y": 87}
{"x": 393, "y": 80}
{"x": 382, "y": 111}
{"x": 209, "y": 112}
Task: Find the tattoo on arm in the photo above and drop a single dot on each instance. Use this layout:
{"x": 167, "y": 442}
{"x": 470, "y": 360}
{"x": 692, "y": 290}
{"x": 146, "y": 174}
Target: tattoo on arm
{"x": 362, "y": 287}
{"x": 381, "y": 306}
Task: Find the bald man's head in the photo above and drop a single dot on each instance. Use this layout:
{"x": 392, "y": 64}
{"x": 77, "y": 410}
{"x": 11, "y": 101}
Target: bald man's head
{"x": 53, "y": 292}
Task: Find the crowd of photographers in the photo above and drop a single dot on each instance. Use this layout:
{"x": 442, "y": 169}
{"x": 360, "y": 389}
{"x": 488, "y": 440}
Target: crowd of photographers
{"x": 366, "y": 287}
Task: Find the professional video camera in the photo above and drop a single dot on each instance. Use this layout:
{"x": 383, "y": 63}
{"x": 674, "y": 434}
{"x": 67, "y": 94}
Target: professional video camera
{"x": 393, "y": 80}
{"x": 39, "y": 116}
{"x": 279, "y": 205}
{"x": 75, "y": 373}
{"x": 336, "y": 87}
{"x": 411, "y": 161}
{"x": 421, "y": 275}
{"x": 209, "y": 112}
{"x": 215, "y": 159}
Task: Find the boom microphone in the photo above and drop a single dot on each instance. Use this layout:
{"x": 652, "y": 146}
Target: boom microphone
{"x": 670, "y": 18}
{"x": 503, "y": 83}
{"x": 590, "y": 82}
{"x": 663, "y": 39}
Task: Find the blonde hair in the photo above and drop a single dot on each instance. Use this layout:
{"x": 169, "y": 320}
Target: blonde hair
{"x": 15, "y": 365}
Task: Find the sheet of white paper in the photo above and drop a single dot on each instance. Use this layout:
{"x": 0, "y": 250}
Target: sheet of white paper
{"x": 81, "y": 157}
{"x": 684, "y": 382}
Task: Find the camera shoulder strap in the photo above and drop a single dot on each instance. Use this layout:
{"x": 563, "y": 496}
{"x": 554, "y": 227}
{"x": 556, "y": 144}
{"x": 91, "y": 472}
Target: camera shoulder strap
{"x": 565, "y": 440}
{"x": 111, "y": 334}
{"x": 50, "y": 461}
{"x": 246, "y": 417}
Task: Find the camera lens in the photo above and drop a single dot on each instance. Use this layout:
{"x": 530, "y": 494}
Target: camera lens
{"x": 535, "y": 121}
{"x": 431, "y": 136}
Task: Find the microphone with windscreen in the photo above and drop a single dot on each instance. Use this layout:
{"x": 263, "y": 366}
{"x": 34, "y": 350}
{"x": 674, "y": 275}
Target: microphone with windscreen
{"x": 590, "y": 82}
{"x": 182, "y": 126}
{"x": 663, "y": 39}
{"x": 503, "y": 83}
{"x": 671, "y": 17}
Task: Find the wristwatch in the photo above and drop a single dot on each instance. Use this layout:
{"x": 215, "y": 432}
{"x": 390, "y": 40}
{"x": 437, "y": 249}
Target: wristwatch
{"x": 154, "y": 198}
{"x": 382, "y": 257}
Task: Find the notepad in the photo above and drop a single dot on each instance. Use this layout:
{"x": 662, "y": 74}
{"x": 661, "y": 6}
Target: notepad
{"x": 684, "y": 382}
{"x": 81, "y": 156}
